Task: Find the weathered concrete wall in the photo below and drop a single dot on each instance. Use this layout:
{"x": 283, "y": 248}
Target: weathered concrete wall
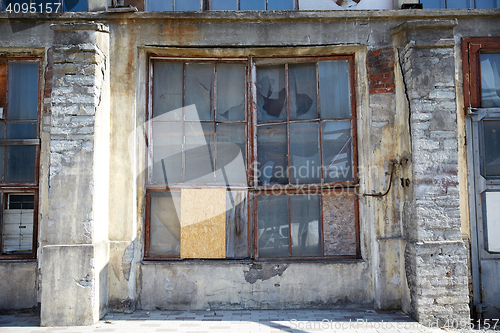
{"x": 19, "y": 285}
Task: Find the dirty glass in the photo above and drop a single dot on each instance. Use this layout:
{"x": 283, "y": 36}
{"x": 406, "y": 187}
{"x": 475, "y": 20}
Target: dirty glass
{"x": 165, "y": 226}
{"x": 200, "y": 152}
{"x": 236, "y": 224}
{"x": 487, "y": 4}
{"x": 334, "y": 89}
{"x": 231, "y": 154}
{"x": 224, "y": 5}
{"x": 167, "y": 152}
{"x": 20, "y": 164}
{"x": 271, "y": 93}
{"x": 303, "y": 91}
{"x": 17, "y": 226}
{"x": 23, "y": 90}
{"x": 305, "y": 225}
{"x": 252, "y": 4}
{"x": 272, "y": 155}
{"x": 167, "y": 90}
{"x": 337, "y": 151}
{"x": 231, "y": 89}
{"x": 273, "y": 229}
{"x": 75, "y": 5}
{"x": 490, "y": 79}
{"x": 158, "y": 5}
{"x": 491, "y": 148}
{"x": 280, "y": 4}
{"x": 304, "y": 153}
{"x": 339, "y": 223}
{"x": 21, "y": 130}
{"x": 180, "y": 5}
{"x": 199, "y": 89}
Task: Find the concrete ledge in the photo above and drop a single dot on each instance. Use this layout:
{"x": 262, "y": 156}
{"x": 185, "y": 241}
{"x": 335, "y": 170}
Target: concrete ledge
{"x": 80, "y": 26}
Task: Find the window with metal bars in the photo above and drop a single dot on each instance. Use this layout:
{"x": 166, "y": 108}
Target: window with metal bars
{"x": 197, "y": 5}
{"x": 19, "y": 156}
{"x": 252, "y": 159}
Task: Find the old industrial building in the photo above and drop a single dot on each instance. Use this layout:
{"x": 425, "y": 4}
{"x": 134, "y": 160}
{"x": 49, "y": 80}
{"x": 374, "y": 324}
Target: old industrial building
{"x": 269, "y": 154}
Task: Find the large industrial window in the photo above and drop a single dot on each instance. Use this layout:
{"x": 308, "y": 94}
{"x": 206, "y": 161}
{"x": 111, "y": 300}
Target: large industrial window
{"x": 197, "y": 5}
{"x": 252, "y": 159}
{"x": 19, "y": 154}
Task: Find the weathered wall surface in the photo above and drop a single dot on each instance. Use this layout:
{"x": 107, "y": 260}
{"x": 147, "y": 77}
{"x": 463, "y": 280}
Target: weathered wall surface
{"x": 19, "y": 285}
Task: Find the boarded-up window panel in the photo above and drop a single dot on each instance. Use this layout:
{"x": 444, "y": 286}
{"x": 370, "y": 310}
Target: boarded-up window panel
{"x": 236, "y": 224}
{"x": 3, "y": 85}
{"x": 339, "y": 224}
{"x": 203, "y": 223}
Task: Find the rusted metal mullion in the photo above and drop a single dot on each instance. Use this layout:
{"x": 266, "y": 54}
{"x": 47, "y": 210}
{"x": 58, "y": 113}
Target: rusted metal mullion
{"x": 354, "y": 135}
{"x": 474, "y": 93}
{"x": 466, "y": 73}
{"x": 321, "y": 226}
{"x": 183, "y": 146}
{"x": 287, "y": 87}
{"x": 289, "y": 227}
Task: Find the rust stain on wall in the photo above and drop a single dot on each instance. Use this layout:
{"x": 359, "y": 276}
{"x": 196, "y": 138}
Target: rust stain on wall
{"x": 183, "y": 33}
{"x": 339, "y": 224}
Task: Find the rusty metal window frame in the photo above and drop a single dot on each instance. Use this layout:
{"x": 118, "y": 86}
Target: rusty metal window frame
{"x": 22, "y": 187}
{"x": 251, "y": 152}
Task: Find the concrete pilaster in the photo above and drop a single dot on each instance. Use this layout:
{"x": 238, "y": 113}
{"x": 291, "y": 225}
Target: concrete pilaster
{"x": 435, "y": 256}
{"x": 75, "y": 245}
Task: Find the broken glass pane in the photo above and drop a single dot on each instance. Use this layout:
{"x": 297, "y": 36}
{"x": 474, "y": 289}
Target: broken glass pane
{"x": 200, "y": 152}
{"x": 304, "y": 150}
{"x": 20, "y": 164}
{"x": 334, "y": 87}
{"x": 252, "y": 4}
{"x": 231, "y": 92}
{"x": 199, "y": 90}
{"x": 303, "y": 91}
{"x": 23, "y": 92}
{"x": 167, "y": 152}
{"x": 167, "y": 90}
{"x": 280, "y": 4}
{"x": 21, "y": 131}
{"x": 224, "y": 5}
{"x": 165, "y": 226}
{"x": 339, "y": 223}
{"x": 337, "y": 151}
{"x": 236, "y": 224}
{"x": 17, "y": 227}
{"x": 231, "y": 154}
{"x": 492, "y": 147}
{"x": 271, "y": 93}
{"x": 272, "y": 155}
{"x": 490, "y": 79}
{"x": 306, "y": 227}
{"x": 180, "y": 5}
{"x": 273, "y": 229}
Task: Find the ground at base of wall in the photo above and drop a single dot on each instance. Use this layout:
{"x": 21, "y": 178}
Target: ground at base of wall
{"x": 369, "y": 321}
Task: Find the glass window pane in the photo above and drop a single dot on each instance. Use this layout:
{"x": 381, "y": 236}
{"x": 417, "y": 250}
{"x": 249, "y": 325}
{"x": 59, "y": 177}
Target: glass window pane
{"x": 224, "y": 5}
{"x": 280, "y": 4}
{"x": 74, "y": 5}
{"x": 272, "y": 155}
{"x": 335, "y": 91}
{"x": 231, "y": 87}
{"x": 17, "y": 226}
{"x": 252, "y": 4}
{"x": 337, "y": 151}
{"x": 490, "y": 79}
{"x": 21, "y": 131}
{"x": 271, "y": 93}
{"x": 158, "y": 5}
{"x": 167, "y": 152}
{"x": 187, "y": 5}
{"x": 167, "y": 90}
{"x": 432, "y": 4}
{"x": 165, "y": 226}
{"x": 305, "y": 223}
{"x": 199, "y": 152}
{"x": 303, "y": 91}
{"x": 456, "y": 4}
{"x": 236, "y": 224}
{"x": 339, "y": 224}
{"x": 199, "y": 90}
{"x": 491, "y": 147}
{"x": 23, "y": 90}
{"x": 487, "y": 4}
{"x": 231, "y": 154}
{"x": 20, "y": 164}
{"x": 304, "y": 150}
{"x": 273, "y": 228}
{"x": 492, "y": 221}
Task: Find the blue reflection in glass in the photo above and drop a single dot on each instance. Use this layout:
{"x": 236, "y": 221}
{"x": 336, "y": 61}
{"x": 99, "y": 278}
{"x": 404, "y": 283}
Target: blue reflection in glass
{"x": 224, "y": 5}
{"x": 433, "y": 4}
{"x": 252, "y": 4}
{"x": 181, "y": 5}
{"x": 487, "y": 4}
{"x": 158, "y": 5}
{"x": 457, "y": 4}
{"x": 280, "y": 4}
{"x": 23, "y": 95}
